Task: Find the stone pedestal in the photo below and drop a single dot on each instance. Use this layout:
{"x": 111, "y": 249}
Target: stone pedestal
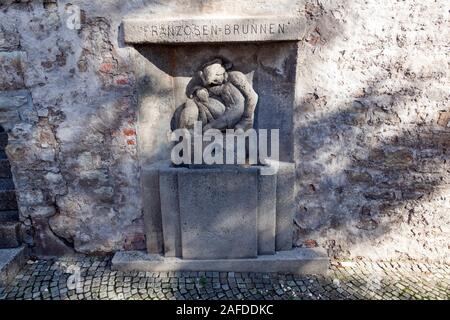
{"x": 297, "y": 261}
{"x": 226, "y": 218}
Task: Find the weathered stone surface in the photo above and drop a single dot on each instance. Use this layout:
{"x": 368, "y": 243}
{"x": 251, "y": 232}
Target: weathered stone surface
{"x": 170, "y": 212}
{"x": 218, "y": 213}
{"x": 3, "y": 141}
{"x": 48, "y": 243}
{"x": 9, "y": 37}
{"x": 352, "y": 96}
{"x": 153, "y": 121}
{"x": 285, "y": 206}
{"x": 219, "y": 97}
{"x": 11, "y": 261}
{"x": 12, "y": 105}
{"x": 444, "y": 119}
{"x": 298, "y": 261}
{"x": 41, "y": 211}
{"x": 276, "y": 87}
{"x": 359, "y": 177}
{"x": 380, "y": 123}
{"x": 8, "y": 200}
{"x": 267, "y": 211}
{"x": 171, "y": 193}
{"x": 7, "y": 184}
{"x": 9, "y": 234}
{"x": 215, "y": 29}
{"x": 5, "y": 169}
{"x": 9, "y": 216}
{"x": 12, "y": 70}
{"x": 152, "y": 209}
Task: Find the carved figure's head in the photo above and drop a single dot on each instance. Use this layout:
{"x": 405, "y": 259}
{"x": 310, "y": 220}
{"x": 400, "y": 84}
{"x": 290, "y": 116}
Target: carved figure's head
{"x": 214, "y": 72}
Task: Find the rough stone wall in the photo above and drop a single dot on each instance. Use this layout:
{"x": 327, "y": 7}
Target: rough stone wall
{"x": 372, "y": 130}
{"x": 372, "y": 123}
{"x": 70, "y": 107}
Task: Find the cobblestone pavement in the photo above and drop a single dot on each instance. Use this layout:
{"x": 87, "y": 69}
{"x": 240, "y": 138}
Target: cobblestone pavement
{"x": 92, "y": 278}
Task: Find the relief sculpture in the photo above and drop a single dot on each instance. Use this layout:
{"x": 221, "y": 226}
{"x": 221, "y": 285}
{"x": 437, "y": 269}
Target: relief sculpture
{"x": 219, "y": 97}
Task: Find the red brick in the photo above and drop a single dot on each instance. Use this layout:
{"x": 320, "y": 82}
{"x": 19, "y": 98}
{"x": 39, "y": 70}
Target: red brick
{"x": 106, "y": 67}
{"x": 122, "y": 80}
{"x": 129, "y": 132}
{"x": 310, "y": 243}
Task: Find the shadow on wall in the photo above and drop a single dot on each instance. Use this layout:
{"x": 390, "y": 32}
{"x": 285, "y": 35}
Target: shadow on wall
{"x": 367, "y": 181}
{"x": 365, "y": 178}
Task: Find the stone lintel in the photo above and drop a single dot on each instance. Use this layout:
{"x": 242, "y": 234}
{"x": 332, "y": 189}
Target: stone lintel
{"x": 297, "y": 261}
{"x": 150, "y": 29}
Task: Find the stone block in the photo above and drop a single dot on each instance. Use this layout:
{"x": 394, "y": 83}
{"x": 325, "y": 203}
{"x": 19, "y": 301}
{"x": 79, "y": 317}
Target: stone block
{"x": 11, "y": 103}
{"x": 152, "y": 208}
{"x": 275, "y": 109}
{"x": 9, "y": 38}
{"x": 170, "y": 212}
{"x": 218, "y": 210}
{"x": 285, "y": 206}
{"x": 37, "y": 211}
{"x": 49, "y": 243}
{"x": 444, "y": 119}
{"x": 11, "y": 261}
{"x": 5, "y": 169}
{"x": 297, "y": 261}
{"x": 267, "y": 186}
{"x": 8, "y": 200}
{"x": 398, "y": 159}
{"x": 6, "y": 184}
{"x": 9, "y": 234}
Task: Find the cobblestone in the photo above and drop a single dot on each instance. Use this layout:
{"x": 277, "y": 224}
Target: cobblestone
{"x": 92, "y": 278}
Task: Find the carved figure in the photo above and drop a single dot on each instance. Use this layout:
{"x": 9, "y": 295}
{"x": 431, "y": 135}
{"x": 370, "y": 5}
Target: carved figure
{"x": 223, "y": 100}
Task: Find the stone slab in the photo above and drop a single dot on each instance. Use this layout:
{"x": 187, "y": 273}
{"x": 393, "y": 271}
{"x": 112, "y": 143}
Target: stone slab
{"x": 218, "y": 211}
{"x": 152, "y": 209}
{"x": 11, "y": 260}
{"x": 285, "y": 206}
{"x": 267, "y": 186}
{"x": 297, "y": 261}
{"x": 150, "y": 29}
{"x": 9, "y": 234}
{"x": 170, "y": 212}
